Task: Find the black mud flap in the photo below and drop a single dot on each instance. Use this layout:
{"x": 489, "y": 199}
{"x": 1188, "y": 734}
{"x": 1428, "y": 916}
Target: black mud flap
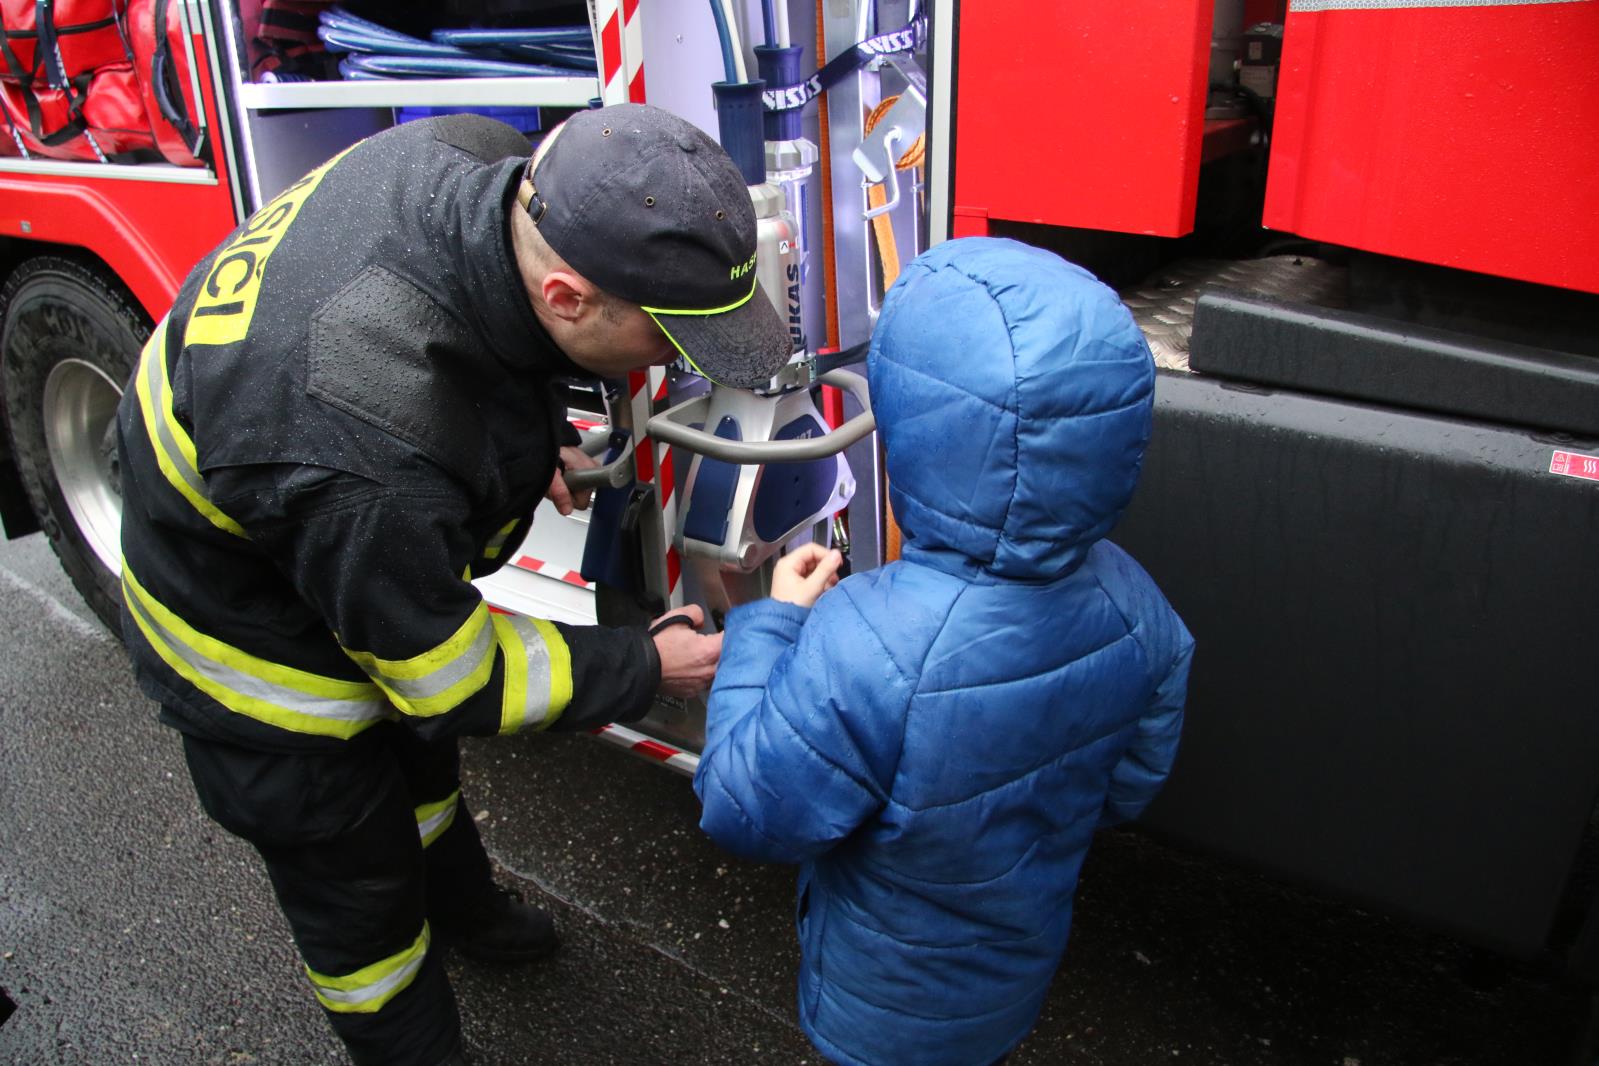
{"x": 16, "y": 516}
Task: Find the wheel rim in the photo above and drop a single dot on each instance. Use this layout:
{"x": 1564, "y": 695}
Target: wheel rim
{"x": 80, "y": 422}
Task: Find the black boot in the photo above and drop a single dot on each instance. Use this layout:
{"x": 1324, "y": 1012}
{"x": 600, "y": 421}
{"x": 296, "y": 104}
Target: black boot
{"x": 499, "y": 928}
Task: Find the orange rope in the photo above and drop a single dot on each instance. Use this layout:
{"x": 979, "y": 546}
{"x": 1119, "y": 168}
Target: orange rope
{"x": 877, "y": 196}
{"x": 915, "y": 153}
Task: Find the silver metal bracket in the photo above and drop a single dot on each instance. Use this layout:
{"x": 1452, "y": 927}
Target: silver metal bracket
{"x": 904, "y": 122}
{"x": 618, "y": 472}
{"x": 673, "y": 426}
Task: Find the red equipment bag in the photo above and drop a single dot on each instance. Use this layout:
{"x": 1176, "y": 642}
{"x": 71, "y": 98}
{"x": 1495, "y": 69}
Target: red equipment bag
{"x": 286, "y": 42}
{"x": 67, "y": 84}
{"x": 162, "y": 60}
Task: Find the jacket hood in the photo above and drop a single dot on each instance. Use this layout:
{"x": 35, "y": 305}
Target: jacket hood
{"x": 1014, "y": 393}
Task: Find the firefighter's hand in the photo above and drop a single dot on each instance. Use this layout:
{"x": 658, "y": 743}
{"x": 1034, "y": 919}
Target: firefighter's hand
{"x": 801, "y": 576}
{"x": 688, "y": 658}
{"x": 559, "y": 494}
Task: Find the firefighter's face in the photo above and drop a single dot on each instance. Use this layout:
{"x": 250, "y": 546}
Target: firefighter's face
{"x": 616, "y": 339}
{"x": 602, "y": 334}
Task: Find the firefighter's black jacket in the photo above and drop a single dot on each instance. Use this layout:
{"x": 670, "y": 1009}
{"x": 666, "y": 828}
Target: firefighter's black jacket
{"x": 346, "y": 415}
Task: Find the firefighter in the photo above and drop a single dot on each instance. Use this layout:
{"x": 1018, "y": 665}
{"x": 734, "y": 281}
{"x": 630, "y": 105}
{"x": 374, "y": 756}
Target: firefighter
{"x": 348, "y": 414}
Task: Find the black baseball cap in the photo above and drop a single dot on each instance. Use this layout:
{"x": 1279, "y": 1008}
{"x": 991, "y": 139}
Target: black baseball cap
{"x": 646, "y": 206}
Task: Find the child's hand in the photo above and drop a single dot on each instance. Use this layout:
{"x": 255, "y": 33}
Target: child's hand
{"x": 801, "y": 576}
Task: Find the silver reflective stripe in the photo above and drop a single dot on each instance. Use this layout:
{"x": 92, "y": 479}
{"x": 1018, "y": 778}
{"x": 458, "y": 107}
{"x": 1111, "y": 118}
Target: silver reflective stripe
{"x": 254, "y": 689}
{"x": 368, "y": 989}
{"x": 432, "y": 819}
{"x": 541, "y": 704}
{"x": 356, "y": 997}
{"x": 174, "y": 451}
{"x": 160, "y": 393}
{"x": 1306, "y": 6}
{"x": 453, "y": 672}
{"x": 491, "y": 550}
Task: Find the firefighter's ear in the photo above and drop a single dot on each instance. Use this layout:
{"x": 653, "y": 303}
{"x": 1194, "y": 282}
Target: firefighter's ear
{"x": 569, "y": 296}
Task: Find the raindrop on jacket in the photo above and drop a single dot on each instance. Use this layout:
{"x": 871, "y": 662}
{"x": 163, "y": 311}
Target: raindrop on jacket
{"x": 347, "y": 415}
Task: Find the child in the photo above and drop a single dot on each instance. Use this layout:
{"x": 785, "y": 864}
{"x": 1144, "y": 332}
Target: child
{"x": 936, "y": 741}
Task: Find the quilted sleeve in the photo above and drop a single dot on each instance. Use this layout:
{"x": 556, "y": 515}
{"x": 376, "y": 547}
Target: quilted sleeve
{"x": 802, "y": 738}
{"x": 1148, "y": 760}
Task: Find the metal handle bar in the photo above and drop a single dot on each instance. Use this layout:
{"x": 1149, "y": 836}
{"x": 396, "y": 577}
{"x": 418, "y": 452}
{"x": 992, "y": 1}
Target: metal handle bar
{"x": 671, "y": 426}
{"x": 891, "y": 176}
{"x": 618, "y": 472}
{"x": 612, "y": 475}
{"x": 594, "y": 441}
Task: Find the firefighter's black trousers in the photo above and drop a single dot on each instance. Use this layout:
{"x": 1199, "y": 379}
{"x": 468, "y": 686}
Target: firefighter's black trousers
{"x": 340, "y": 836}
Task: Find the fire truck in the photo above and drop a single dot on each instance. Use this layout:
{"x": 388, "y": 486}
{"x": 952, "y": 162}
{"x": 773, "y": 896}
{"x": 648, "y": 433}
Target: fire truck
{"x": 1362, "y": 238}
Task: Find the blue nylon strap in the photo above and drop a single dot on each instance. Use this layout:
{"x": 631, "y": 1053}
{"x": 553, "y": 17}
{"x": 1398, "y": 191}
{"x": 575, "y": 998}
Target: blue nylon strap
{"x": 905, "y": 39}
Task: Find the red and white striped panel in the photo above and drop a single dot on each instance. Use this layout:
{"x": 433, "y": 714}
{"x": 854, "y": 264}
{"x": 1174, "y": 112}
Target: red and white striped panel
{"x": 647, "y": 394}
{"x": 684, "y": 762}
{"x": 544, "y": 569}
{"x": 619, "y": 44}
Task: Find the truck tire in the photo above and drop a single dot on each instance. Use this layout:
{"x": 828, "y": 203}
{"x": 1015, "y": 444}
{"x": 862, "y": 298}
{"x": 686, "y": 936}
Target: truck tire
{"x": 70, "y": 337}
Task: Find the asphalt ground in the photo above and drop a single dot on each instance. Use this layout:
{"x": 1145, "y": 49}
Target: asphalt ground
{"x": 134, "y": 930}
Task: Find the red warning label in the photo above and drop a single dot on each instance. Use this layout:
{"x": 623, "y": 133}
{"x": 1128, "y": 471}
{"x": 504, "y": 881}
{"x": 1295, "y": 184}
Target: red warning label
{"x": 1573, "y": 464}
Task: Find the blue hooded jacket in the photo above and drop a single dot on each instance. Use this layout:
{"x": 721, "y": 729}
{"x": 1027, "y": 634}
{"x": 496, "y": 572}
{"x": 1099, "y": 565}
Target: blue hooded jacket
{"x": 936, "y": 740}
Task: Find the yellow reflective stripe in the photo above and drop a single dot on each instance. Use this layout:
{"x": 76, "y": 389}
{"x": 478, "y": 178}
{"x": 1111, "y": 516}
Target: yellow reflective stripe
{"x": 435, "y": 658}
{"x": 438, "y": 680}
{"x": 161, "y": 424}
{"x": 513, "y": 701}
{"x": 432, "y": 819}
{"x": 450, "y": 698}
{"x": 514, "y": 689}
{"x": 496, "y": 543}
{"x": 740, "y": 302}
{"x": 366, "y": 990}
{"x": 332, "y": 688}
{"x": 538, "y": 672}
{"x": 180, "y": 436}
{"x": 560, "y": 670}
{"x": 272, "y": 693}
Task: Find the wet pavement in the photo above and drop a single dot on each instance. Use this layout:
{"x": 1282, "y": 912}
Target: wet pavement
{"x": 133, "y": 930}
